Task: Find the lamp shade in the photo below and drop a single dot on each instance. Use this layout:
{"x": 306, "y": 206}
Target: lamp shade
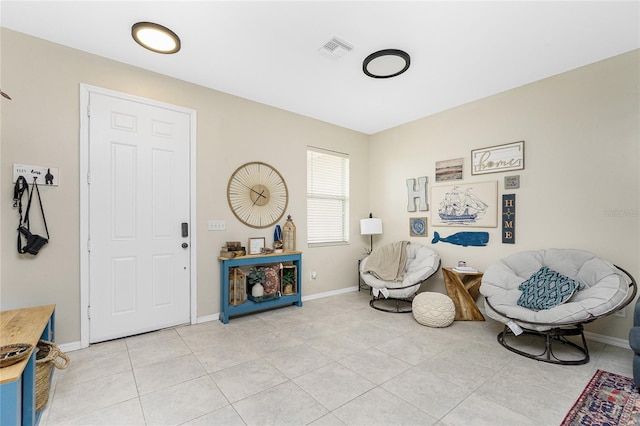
{"x": 371, "y": 226}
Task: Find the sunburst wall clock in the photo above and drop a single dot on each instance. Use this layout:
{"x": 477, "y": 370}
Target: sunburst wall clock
{"x": 257, "y": 194}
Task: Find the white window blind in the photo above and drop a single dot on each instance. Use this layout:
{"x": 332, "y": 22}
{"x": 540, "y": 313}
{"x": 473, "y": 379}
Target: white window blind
{"x": 327, "y": 197}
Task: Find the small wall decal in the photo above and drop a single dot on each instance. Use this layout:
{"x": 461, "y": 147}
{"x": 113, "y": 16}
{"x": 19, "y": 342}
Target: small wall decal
{"x": 512, "y": 182}
{"x": 464, "y": 239}
{"x": 509, "y": 219}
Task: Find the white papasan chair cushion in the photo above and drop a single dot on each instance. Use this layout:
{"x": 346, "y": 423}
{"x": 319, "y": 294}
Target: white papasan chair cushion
{"x": 602, "y": 287}
{"x": 422, "y": 262}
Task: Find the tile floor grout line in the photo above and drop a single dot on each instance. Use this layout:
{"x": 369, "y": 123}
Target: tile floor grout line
{"x": 135, "y": 380}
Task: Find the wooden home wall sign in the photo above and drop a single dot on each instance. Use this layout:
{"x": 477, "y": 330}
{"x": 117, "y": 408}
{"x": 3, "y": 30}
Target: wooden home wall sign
{"x": 509, "y": 219}
{"x": 501, "y": 158}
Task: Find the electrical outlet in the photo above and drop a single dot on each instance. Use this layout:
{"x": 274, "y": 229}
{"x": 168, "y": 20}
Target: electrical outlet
{"x": 622, "y": 313}
{"x": 216, "y": 225}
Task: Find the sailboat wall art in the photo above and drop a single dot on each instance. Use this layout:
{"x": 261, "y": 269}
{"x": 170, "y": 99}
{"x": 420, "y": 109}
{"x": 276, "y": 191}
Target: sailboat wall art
{"x": 466, "y": 205}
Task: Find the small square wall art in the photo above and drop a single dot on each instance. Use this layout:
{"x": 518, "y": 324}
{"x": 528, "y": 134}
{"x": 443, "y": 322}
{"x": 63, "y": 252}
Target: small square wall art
{"x": 418, "y": 226}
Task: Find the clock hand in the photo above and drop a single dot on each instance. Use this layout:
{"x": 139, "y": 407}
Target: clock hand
{"x": 253, "y": 190}
{"x": 260, "y": 195}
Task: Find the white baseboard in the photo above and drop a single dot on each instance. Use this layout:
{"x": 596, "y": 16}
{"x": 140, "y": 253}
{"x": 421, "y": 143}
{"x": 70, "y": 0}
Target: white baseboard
{"x": 613, "y": 341}
{"x": 208, "y": 318}
{"x": 330, "y": 293}
{"x": 216, "y": 316}
{"x": 70, "y": 347}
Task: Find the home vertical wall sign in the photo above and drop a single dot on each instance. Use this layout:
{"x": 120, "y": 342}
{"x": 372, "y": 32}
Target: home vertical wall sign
{"x": 509, "y": 219}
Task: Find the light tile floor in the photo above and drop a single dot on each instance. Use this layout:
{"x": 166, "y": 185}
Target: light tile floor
{"x": 335, "y": 361}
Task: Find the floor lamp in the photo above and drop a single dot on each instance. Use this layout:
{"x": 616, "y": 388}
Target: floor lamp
{"x": 371, "y": 226}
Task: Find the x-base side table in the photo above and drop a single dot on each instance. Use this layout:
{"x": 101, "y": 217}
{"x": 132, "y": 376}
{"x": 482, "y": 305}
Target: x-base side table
{"x": 463, "y": 288}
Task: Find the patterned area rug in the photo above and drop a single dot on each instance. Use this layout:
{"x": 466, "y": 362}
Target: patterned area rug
{"x": 608, "y": 399}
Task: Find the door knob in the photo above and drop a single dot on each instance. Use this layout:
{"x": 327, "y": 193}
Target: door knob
{"x": 185, "y": 245}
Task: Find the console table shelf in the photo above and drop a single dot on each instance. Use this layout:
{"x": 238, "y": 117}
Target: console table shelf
{"x": 227, "y": 310}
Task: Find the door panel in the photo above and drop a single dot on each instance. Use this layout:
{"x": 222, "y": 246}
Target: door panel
{"x": 123, "y": 200}
{"x": 162, "y": 285}
{"x": 162, "y": 196}
{"x": 138, "y": 199}
{"x": 124, "y": 285}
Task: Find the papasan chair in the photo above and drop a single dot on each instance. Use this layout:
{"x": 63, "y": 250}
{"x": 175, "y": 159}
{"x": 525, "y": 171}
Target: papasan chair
{"x": 548, "y": 296}
{"x": 395, "y": 272}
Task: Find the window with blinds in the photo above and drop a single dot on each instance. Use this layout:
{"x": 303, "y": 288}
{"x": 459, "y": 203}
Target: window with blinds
{"x": 327, "y": 197}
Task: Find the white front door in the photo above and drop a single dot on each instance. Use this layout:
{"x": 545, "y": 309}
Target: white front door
{"x": 139, "y": 199}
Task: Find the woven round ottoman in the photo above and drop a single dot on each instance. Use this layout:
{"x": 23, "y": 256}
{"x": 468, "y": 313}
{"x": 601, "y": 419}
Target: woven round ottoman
{"x": 433, "y": 309}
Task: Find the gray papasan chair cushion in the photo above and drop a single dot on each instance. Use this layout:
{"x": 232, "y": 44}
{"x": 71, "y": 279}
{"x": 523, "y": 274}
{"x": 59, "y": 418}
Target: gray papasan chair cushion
{"x": 422, "y": 262}
{"x": 603, "y": 288}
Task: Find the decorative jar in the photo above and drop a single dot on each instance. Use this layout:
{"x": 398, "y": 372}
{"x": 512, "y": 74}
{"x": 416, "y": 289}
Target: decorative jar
{"x": 289, "y": 235}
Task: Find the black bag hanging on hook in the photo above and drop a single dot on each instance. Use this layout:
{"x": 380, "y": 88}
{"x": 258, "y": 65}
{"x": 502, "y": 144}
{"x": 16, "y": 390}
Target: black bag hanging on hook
{"x": 34, "y": 242}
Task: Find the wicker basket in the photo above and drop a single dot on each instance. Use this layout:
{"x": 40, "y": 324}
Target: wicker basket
{"x": 46, "y": 357}
{"x": 14, "y": 353}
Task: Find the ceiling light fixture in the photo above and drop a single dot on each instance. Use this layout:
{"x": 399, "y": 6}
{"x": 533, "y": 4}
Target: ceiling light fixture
{"x": 386, "y": 63}
{"x": 155, "y": 37}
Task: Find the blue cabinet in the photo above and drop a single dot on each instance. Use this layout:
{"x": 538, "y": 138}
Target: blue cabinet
{"x": 17, "y": 381}
{"x": 227, "y": 310}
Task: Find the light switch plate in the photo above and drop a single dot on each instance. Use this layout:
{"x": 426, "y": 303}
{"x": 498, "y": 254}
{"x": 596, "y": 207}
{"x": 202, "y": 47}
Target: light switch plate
{"x": 216, "y": 225}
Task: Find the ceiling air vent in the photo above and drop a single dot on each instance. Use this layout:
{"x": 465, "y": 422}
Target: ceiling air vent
{"x": 335, "y": 48}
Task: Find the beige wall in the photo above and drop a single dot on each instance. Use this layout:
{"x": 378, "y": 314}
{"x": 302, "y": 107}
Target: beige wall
{"x": 40, "y": 126}
{"x": 580, "y": 186}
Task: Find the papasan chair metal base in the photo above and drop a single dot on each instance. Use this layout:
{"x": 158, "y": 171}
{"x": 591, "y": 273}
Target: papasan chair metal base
{"x": 548, "y": 338}
{"x": 396, "y": 306}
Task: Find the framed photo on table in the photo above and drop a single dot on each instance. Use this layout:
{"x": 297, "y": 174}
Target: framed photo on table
{"x": 256, "y": 245}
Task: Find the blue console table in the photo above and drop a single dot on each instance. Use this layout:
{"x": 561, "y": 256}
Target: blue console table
{"x": 17, "y": 381}
{"x": 227, "y": 310}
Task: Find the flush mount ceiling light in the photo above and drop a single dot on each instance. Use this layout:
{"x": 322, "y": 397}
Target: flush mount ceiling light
{"x": 386, "y": 63}
{"x": 155, "y": 37}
